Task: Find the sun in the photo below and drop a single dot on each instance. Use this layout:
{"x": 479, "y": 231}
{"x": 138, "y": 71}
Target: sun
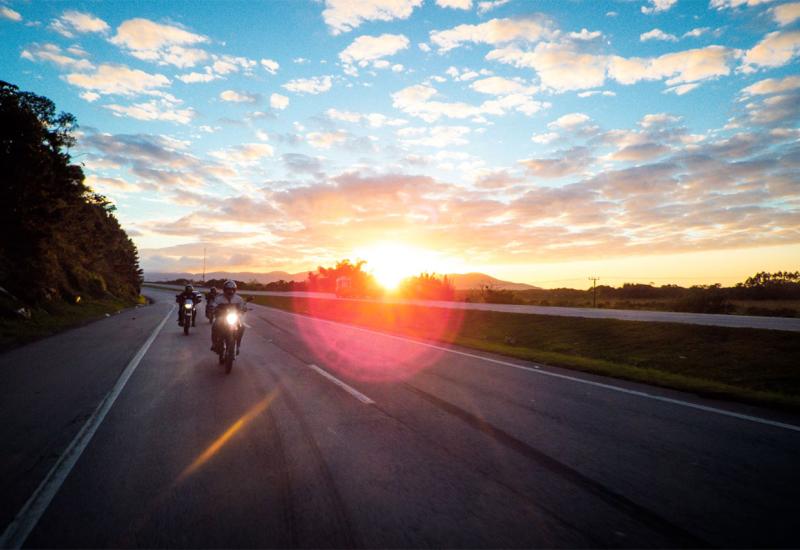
{"x": 390, "y": 263}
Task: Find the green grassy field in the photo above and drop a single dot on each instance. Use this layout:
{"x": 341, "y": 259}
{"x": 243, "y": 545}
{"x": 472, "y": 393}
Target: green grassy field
{"x": 748, "y": 365}
{"x": 59, "y": 316}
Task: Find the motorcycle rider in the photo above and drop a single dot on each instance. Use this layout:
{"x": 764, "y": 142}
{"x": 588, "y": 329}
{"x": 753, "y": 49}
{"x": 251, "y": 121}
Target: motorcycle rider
{"x": 188, "y": 292}
{"x": 210, "y": 297}
{"x": 228, "y": 296}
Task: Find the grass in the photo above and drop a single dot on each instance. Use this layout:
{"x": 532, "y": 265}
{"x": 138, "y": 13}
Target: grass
{"x": 748, "y": 365}
{"x": 58, "y": 317}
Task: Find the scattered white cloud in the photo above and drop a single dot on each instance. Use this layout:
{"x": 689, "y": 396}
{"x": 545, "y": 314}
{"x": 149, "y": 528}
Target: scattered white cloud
{"x": 246, "y": 154}
{"x": 345, "y": 15}
{"x": 498, "y": 85}
{"x": 590, "y": 93}
{"x": 8, "y": 13}
{"x": 682, "y": 88}
{"x": 732, "y": 4}
{"x": 52, "y": 53}
{"x": 163, "y": 44}
{"x": 195, "y": 77}
{"x": 455, "y": 4}
{"x": 270, "y": 66}
{"x": 786, "y": 14}
{"x": 696, "y": 33}
{"x": 238, "y": 97}
{"x": 278, "y": 101}
{"x": 658, "y": 6}
{"x": 495, "y": 31}
{"x": 569, "y": 121}
{"x": 326, "y": 140}
{"x": 434, "y": 136}
{"x": 91, "y": 97}
{"x": 75, "y": 22}
{"x": 775, "y": 50}
{"x": 315, "y": 85}
{"x": 773, "y": 86}
{"x": 489, "y": 5}
{"x": 110, "y": 79}
{"x": 657, "y": 34}
{"x": 156, "y": 109}
{"x": 369, "y": 50}
{"x": 545, "y": 138}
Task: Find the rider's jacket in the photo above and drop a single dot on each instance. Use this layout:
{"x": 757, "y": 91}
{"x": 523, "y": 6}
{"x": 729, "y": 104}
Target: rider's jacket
{"x": 196, "y": 296}
{"x": 235, "y": 300}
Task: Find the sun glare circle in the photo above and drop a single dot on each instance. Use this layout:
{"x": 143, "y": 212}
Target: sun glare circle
{"x": 390, "y": 263}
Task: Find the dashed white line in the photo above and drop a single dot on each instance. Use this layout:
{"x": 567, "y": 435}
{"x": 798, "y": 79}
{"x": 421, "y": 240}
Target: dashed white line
{"x": 26, "y": 519}
{"x": 538, "y": 370}
{"x": 349, "y": 389}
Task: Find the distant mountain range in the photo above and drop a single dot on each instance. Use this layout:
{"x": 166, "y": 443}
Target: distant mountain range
{"x": 461, "y": 281}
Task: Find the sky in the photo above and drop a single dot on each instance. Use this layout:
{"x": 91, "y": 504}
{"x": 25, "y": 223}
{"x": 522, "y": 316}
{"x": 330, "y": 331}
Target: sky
{"x": 537, "y": 141}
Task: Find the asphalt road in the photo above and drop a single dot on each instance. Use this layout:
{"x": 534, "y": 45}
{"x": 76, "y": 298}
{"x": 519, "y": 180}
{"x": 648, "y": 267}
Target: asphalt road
{"x": 326, "y": 435}
{"x": 711, "y": 319}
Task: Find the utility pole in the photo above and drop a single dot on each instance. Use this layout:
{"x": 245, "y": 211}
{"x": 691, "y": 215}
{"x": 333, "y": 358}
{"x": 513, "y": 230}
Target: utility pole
{"x": 204, "y": 266}
{"x": 594, "y": 290}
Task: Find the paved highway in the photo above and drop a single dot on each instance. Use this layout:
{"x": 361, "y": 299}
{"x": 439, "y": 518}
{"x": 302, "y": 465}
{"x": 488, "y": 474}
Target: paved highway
{"x": 326, "y": 435}
{"x": 712, "y": 319}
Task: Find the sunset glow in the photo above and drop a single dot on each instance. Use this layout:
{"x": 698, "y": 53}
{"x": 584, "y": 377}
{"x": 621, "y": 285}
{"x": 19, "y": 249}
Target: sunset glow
{"x": 532, "y": 141}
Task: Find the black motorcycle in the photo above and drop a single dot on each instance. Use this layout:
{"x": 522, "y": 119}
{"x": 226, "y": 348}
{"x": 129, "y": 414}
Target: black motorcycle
{"x": 188, "y": 314}
{"x": 229, "y": 320}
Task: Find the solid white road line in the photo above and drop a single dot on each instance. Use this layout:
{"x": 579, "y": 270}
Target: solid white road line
{"x": 26, "y": 519}
{"x": 349, "y": 389}
{"x": 538, "y": 370}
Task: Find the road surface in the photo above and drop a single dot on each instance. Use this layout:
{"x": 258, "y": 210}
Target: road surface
{"x": 326, "y": 435}
{"x": 712, "y": 319}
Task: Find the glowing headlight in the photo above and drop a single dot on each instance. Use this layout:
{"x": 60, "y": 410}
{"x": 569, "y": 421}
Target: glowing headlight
{"x": 187, "y": 306}
{"x": 231, "y": 318}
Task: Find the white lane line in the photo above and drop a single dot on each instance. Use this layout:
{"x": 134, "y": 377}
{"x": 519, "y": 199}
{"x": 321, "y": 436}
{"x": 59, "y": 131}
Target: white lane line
{"x": 26, "y": 519}
{"x": 537, "y": 370}
{"x": 349, "y": 389}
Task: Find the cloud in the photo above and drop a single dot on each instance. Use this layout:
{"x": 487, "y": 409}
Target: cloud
{"x": 227, "y": 64}
{"x": 375, "y": 120}
{"x": 696, "y": 33}
{"x": 74, "y": 22}
{"x": 544, "y": 139}
{"x": 560, "y": 66}
{"x": 8, "y": 13}
{"x": 435, "y": 136}
{"x": 731, "y": 4}
{"x": 239, "y": 97}
{"x": 498, "y": 85}
{"x": 570, "y": 121}
{"x": 325, "y": 140}
{"x": 270, "y": 66}
{"x": 345, "y": 15}
{"x": 682, "y": 89}
{"x": 489, "y": 5}
{"x": 111, "y": 79}
{"x": 773, "y": 86}
{"x": 658, "y": 6}
{"x": 164, "y": 44}
{"x": 110, "y": 185}
{"x": 455, "y": 4}
{"x": 246, "y": 153}
{"x": 591, "y": 93}
{"x": 677, "y": 68}
{"x": 775, "y": 50}
{"x": 51, "y": 53}
{"x": 366, "y": 50}
{"x": 585, "y": 35}
{"x": 159, "y": 109}
{"x": 278, "y": 101}
{"x": 657, "y": 34}
{"x": 418, "y": 101}
{"x": 786, "y": 14}
{"x": 315, "y": 85}
{"x": 566, "y": 163}
{"x": 195, "y": 77}
{"x": 495, "y": 31}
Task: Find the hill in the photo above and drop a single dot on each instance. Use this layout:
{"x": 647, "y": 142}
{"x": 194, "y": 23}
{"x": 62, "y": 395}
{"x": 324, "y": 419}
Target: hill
{"x": 467, "y": 281}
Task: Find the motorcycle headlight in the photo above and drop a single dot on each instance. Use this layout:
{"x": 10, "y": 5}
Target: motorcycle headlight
{"x": 231, "y": 318}
{"x": 187, "y": 306}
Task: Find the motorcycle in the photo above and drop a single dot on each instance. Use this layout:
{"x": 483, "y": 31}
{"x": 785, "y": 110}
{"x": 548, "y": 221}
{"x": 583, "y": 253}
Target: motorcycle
{"x": 210, "y": 311}
{"x": 229, "y": 335}
{"x": 188, "y": 313}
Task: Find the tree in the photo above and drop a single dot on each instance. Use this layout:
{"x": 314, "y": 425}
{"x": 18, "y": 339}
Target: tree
{"x": 58, "y": 237}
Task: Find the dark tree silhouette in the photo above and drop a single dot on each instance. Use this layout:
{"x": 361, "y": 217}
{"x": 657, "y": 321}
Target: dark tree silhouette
{"x": 59, "y": 239}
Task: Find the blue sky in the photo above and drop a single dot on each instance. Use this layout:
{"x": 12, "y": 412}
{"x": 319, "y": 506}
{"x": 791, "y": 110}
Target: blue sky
{"x": 536, "y": 140}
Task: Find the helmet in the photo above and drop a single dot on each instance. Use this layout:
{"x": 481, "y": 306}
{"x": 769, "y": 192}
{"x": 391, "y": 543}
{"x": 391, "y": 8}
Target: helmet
{"x": 229, "y": 287}
{"x": 188, "y": 288}
{"x": 213, "y": 290}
